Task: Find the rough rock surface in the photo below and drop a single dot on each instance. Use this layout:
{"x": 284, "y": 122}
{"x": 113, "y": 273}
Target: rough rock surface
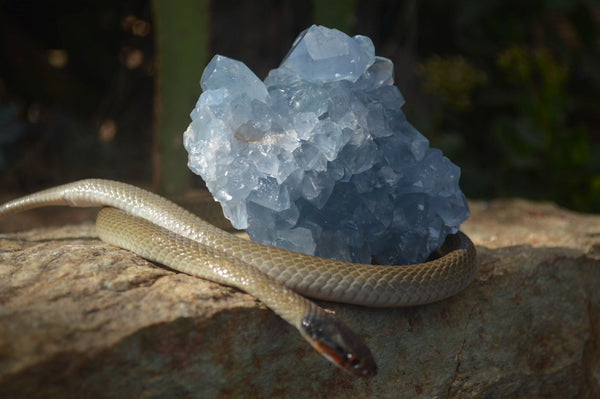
{"x": 79, "y": 318}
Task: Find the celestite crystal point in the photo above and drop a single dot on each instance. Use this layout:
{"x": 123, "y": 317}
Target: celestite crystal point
{"x": 319, "y": 158}
{"x": 324, "y": 55}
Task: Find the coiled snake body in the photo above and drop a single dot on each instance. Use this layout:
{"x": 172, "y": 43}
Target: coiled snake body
{"x": 161, "y": 231}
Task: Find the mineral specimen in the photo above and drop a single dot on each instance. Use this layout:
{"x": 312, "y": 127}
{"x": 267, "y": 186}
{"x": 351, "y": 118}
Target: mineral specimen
{"x": 319, "y": 158}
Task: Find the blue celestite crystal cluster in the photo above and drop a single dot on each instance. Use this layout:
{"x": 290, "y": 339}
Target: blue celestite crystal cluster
{"x": 319, "y": 158}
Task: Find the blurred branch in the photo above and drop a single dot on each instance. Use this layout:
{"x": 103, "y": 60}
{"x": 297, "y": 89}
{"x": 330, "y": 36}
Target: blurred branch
{"x": 337, "y": 14}
{"x": 181, "y": 41}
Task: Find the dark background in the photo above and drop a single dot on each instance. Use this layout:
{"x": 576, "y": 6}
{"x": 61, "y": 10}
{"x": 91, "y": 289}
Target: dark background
{"x": 510, "y": 90}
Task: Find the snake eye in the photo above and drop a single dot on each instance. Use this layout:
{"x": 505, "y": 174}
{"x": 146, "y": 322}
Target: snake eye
{"x": 351, "y": 359}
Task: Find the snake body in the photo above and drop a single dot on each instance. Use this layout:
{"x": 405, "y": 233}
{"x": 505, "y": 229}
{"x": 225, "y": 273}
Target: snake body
{"x": 162, "y": 231}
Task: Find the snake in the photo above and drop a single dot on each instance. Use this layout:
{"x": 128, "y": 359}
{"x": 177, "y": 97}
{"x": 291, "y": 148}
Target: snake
{"x": 163, "y": 232}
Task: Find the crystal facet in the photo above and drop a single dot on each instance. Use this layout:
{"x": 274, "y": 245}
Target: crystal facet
{"x": 319, "y": 158}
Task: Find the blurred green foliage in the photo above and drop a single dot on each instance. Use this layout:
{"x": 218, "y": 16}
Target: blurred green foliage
{"x": 516, "y": 104}
{"x": 451, "y": 80}
{"x": 539, "y": 139}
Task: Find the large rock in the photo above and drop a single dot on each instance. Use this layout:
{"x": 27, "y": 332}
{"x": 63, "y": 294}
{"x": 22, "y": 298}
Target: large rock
{"x": 80, "y": 318}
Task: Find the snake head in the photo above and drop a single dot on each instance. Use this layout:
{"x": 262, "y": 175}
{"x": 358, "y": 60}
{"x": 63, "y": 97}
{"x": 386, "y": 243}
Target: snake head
{"x": 338, "y": 344}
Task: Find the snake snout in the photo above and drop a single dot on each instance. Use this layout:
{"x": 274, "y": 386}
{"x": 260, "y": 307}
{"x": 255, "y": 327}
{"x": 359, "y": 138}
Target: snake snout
{"x": 338, "y": 344}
